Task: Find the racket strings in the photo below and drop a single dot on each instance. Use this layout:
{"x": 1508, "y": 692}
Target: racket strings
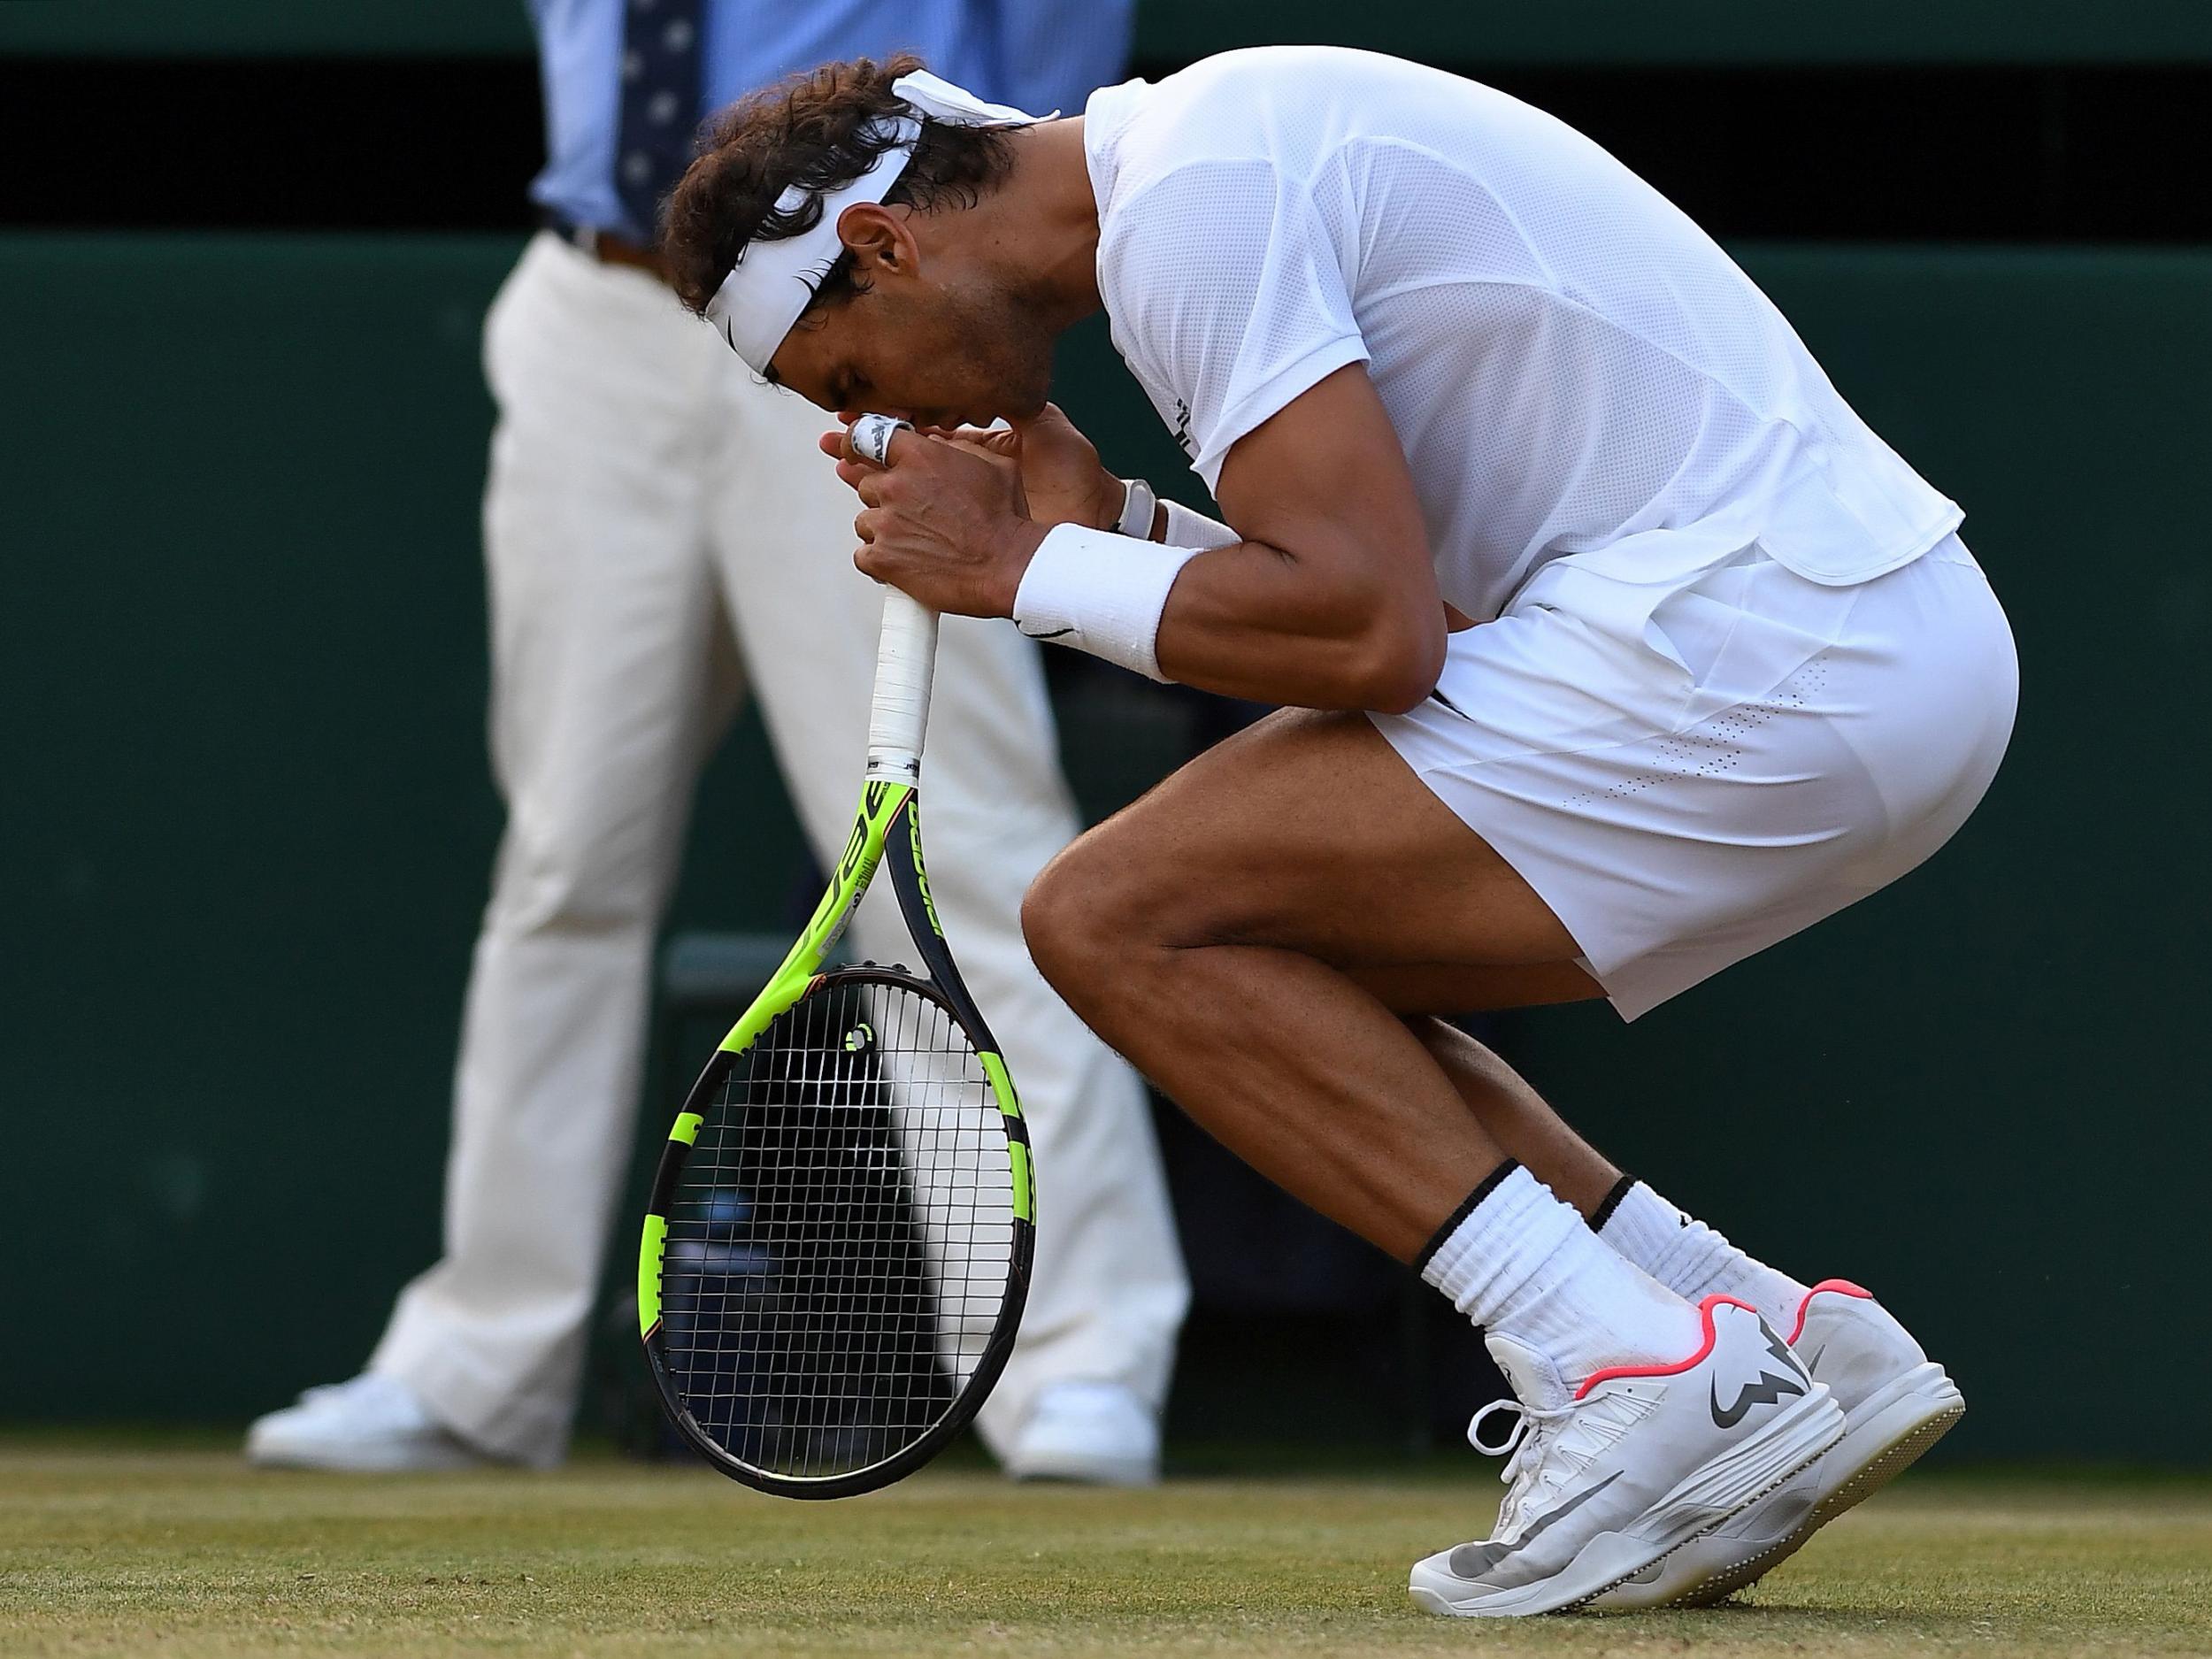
{"x": 841, "y": 1239}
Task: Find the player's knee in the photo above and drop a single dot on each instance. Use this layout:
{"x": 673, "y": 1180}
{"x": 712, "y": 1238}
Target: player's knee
{"x": 1055, "y": 917}
{"x": 1068, "y": 917}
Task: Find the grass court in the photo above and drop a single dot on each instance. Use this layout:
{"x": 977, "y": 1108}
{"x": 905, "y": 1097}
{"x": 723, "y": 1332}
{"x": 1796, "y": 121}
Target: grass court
{"x": 179, "y": 1549}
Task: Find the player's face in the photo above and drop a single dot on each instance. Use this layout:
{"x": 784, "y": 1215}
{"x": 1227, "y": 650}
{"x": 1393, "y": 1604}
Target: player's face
{"x": 954, "y": 352}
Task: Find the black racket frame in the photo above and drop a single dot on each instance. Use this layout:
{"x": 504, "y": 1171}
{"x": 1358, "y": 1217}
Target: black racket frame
{"x": 940, "y": 983}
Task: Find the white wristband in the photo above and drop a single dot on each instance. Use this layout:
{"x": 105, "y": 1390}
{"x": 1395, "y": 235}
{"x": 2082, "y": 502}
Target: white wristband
{"x": 1139, "y": 505}
{"x": 1186, "y": 528}
{"x": 1100, "y": 593}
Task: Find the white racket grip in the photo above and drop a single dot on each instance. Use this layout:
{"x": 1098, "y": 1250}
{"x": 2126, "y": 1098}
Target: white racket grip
{"x": 906, "y": 662}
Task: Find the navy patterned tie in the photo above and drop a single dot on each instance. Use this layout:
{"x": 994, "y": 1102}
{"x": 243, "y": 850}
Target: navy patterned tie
{"x": 660, "y": 105}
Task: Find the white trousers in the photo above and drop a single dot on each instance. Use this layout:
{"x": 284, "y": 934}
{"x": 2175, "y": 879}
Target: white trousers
{"x": 649, "y": 499}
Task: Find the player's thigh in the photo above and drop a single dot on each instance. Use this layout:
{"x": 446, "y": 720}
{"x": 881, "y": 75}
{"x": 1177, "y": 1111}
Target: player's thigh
{"x": 1449, "y": 989}
{"x": 1305, "y": 832}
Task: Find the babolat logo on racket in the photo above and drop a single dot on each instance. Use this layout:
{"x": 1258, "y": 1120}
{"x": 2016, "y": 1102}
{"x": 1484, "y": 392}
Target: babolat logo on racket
{"x": 921, "y": 875}
{"x": 854, "y": 848}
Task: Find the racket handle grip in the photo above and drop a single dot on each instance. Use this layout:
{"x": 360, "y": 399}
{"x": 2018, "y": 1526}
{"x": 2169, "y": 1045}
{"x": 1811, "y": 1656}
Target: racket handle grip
{"x": 906, "y": 661}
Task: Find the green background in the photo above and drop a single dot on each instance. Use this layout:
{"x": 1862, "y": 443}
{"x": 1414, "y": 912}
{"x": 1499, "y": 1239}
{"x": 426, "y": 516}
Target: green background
{"x": 245, "y": 826}
{"x": 245, "y": 822}
{"x": 1460, "y": 31}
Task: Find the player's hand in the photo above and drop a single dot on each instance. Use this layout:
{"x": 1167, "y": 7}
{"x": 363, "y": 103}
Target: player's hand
{"x": 1061, "y": 471}
{"x": 946, "y": 522}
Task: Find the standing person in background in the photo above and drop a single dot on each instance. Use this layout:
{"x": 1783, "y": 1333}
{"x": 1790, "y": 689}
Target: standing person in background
{"x": 649, "y": 498}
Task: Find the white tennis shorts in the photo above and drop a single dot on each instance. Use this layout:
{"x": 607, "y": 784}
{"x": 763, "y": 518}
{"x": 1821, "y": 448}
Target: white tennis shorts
{"x": 1690, "y": 770}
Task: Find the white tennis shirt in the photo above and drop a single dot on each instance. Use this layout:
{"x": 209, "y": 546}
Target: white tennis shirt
{"x": 1571, "y": 365}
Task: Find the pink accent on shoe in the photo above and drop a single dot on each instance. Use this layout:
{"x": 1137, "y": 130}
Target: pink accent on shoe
{"x": 1705, "y": 1312}
{"x": 1839, "y": 1286}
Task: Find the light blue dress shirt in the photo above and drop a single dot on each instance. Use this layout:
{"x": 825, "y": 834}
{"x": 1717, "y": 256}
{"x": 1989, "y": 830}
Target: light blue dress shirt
{"x": 1038, "y": 55}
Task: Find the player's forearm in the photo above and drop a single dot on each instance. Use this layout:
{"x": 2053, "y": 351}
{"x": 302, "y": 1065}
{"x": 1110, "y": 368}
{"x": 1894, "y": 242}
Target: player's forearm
{"x": 1250, "y": 620}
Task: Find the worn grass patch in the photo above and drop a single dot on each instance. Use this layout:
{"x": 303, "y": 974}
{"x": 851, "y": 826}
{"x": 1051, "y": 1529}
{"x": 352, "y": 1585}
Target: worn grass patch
{"x": 135, "y": 1551}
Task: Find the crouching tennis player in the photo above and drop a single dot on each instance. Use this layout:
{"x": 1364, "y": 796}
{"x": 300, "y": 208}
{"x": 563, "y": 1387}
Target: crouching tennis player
{"x": 1615, "y": 649}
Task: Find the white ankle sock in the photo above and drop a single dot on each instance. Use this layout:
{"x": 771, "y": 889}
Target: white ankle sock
{"x": 1525, "y": 1266}
{"x": 1694, "y": 1261}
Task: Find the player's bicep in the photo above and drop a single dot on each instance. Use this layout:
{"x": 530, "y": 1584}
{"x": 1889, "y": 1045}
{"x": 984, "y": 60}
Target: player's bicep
{"x": 1325, "y": 480}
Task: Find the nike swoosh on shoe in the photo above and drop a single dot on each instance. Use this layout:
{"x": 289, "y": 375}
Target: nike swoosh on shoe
{"x": 1472, "y": 1561}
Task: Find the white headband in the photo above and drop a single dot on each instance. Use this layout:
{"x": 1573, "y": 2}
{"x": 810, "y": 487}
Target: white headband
{"x": 773, "y": 281}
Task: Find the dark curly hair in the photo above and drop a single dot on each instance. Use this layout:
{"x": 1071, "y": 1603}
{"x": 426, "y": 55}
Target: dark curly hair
{"x": 819, "y": 130}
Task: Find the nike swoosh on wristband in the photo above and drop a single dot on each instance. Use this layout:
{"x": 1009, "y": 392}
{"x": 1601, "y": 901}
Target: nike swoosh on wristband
{"x": 1472, "y": 1561}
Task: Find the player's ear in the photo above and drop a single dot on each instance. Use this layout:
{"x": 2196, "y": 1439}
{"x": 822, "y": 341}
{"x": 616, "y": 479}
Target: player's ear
{"x": 878, "y": 239}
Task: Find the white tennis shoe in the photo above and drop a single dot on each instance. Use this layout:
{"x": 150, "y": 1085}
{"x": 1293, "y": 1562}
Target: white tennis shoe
{"x": 1897, "y": 1403}
{"x": 1100, "y": 1434}
{"x": 1641, "y": 1460}
{"x": 371, "y": 1425}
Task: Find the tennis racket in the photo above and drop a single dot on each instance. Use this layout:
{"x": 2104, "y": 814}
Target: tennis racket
{"x": 838, "y": 1245}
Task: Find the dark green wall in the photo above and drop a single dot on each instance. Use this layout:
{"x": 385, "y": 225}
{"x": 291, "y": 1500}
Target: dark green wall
{"x": 263, "y": 28}
{"x": 1642, "y": 33}
{"x": 1466, "y": 32}
{"x": 245, "y": 820}
{"x": 244, "y": 827}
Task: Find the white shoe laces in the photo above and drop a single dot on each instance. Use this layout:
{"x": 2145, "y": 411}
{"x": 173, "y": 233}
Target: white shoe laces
{"x": 1529, "y": 1441}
